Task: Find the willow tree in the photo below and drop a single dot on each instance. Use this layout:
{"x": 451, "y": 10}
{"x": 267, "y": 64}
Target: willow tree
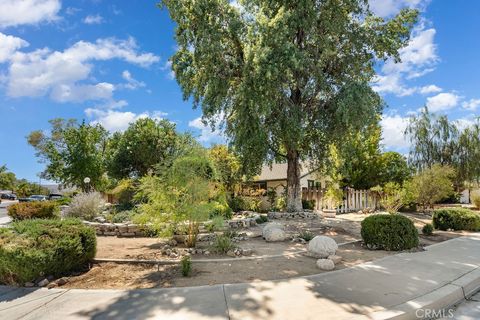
{"x": 286, "y": 78}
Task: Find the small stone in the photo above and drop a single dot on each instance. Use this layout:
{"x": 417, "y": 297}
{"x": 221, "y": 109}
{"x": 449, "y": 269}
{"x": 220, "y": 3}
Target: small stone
{"x": 247, "y": 252}
{"x": 173, "y": 255}
{"x": 43, "y": 283}
{"x": 62, "y": 281}
{"x": 335, "y": 259}
{"x": 325, "y": 264}
{"x": 206, "y": 252}
{"x": 172, "y": 242}
{"x": 322, "y": 247}
{"x": 231, "y": 253}
{"x": 29, "y": 284}
{"x": 52, "y": 285}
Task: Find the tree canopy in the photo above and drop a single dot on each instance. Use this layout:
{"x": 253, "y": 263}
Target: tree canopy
{"x": 287, "y": 78}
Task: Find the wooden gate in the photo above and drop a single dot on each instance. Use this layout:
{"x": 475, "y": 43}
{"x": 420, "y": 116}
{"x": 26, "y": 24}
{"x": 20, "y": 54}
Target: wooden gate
{"x": 353, "y": 200}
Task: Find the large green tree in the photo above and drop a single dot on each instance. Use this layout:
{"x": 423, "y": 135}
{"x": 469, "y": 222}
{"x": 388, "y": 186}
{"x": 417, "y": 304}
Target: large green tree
{"x": 145, "y": 144}
{"x": 72, "y": 152}
{"x": 288, "y": 78}
{"x": 7, "y": 179}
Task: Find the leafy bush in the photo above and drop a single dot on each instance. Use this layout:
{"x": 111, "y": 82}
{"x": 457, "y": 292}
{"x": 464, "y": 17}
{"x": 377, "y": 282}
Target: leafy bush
{"x": 393, "y": 196}
{"x": 65, "y": 201}
{"x": 389, "y": 232}
{"x": 186, "y": 264}
{"x": 261, "y": 219}
{"x": 308, "y": 204}
{"x": 220, "y": 210}
{"x": 432, "y": 185}
{"x": 244, "y": 203}
{"x": 456, "y": 219}
{"x": 123, "y": 216}
{"x": 427, "y": 229}
{"x": 306, "y": 235}
{"x": 34, "y": 210}
{"x": 34, "y": 248}
{"x": 223, "y": 244}
{"x": 476, "y": 201}
{"x": 86, "y": 206}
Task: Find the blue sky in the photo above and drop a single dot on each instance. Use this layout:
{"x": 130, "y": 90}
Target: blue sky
{"x": 107, "y": 62}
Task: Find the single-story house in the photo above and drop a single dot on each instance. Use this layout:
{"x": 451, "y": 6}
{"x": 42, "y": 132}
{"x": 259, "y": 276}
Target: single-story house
{"x": 275, "y": 176}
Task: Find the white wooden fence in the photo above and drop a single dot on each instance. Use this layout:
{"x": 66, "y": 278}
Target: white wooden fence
{"x": 353, "y": 200}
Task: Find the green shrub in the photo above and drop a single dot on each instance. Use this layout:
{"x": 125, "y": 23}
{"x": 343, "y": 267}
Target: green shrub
{"x": 389, "y": 232}
{"x": 34, "y": 248}
{"x": 230, "y": 233}
{"x": 243, "y": 203}
{"x": 456, "y": 219}
{"x": 308, "y": 204}
{"x": 261, "y": 219}
{"x": 427, "y": 229}
{"x": 220, "y": 210}
{"x": 186, "y": 264}
{"x": 64, "y": 201}
{"x": 476, "y": 201}
{"x": 123, "y": 216}
{"x": 34, "y": 210}
{"x": 306, "y": 235}
{"x": 223, "y": 244}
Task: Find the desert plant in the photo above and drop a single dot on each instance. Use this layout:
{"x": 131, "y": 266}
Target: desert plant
{"x": 306, "y": 235}
{"x": 230, "y": 233}
{"x": 34, "y": 248}
{"x": 476, "y": 201}
{"x": 427, "y": 229}
{"x": 223, "y": 244}
{"x": 86, "y": 206}
{"x": 308, "y": 204}
{"x": 261, "y": 219}
{"x": 391, "y": 232}
{"x": 432, "y": 185}
{"x": 186, "y": 264}
{"x": 456, "y": 219}
{"x": 392, "y": 196}
{"x": 34, "y": 210}
{"x": 220, "y": 210}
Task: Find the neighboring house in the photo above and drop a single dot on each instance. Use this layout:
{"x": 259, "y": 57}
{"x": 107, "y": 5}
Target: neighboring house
{"x": 275, "y": 176}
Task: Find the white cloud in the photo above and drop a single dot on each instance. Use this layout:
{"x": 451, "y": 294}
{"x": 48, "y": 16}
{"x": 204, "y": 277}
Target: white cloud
{"x": 61, "y": 74}
{"x": 417, "y": 59}
{"x": 442, "y": 101}
{"x": 386, "y": 8}
{"x": 206, "y": 132}
{"x": 471, "y": 104}
{"x": 430, "y": 89}
{"x": 393, "y": 129}
{"x": 9, "y": 45}
{"x": 93, "y": 19}
{"x": 19, "y": 12}
{"x": 115, "y": 121}
{"x": 132, "y": 83}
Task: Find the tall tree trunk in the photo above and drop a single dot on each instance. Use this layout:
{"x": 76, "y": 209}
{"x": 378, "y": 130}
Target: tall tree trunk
{"x": 294, "y": 192}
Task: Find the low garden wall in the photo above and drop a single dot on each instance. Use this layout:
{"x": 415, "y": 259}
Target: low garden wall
{"x": 116, "y": 229}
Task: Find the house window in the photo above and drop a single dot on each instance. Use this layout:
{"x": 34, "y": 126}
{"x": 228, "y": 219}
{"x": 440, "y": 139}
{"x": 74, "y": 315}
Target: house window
{"x": 312, "y": 184}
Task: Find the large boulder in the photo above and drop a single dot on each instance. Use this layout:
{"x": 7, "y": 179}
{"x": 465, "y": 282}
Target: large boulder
{"x": 274, "y": 232}
{"x": 322, "y": 247}
{"x": 325, "y": 264}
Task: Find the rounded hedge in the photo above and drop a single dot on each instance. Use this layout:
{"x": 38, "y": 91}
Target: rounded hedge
{"x": 391, "y": 232}
{"x": 35, "y": 248}
{"x": 456, "y": 219}
{"x": 34, "y": 210}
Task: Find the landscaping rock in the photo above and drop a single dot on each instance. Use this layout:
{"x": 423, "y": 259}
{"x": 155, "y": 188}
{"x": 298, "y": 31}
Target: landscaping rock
{"x": 62, "y": 281}
{"x": 43, "y": 283}
{"x": 29, "y": 284}
{"x": 335, "y": 259}
{"x": 52, "y": 285}
{"x": 247, "y": 252}
{"x": 273, "y": 232}
{"x": 325, "y": 264}
{"x": 322, "y": 247}
{"x": 231, "y": 253}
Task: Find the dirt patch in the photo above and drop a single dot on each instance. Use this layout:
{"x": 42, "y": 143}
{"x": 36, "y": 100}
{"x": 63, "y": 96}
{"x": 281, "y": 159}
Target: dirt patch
{"x": 110, "y": 275}
{"x": 289, "y": 261}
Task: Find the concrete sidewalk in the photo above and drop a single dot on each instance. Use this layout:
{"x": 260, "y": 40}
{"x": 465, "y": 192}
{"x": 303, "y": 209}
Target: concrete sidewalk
{"x": 393, "y": 287}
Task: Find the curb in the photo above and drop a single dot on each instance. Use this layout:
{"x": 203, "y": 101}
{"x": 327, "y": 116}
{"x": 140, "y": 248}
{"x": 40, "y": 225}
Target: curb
{"x": 437, "y": 300}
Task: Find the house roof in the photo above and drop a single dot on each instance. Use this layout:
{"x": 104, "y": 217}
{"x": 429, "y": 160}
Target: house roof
{"x": 278, "y": 171}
